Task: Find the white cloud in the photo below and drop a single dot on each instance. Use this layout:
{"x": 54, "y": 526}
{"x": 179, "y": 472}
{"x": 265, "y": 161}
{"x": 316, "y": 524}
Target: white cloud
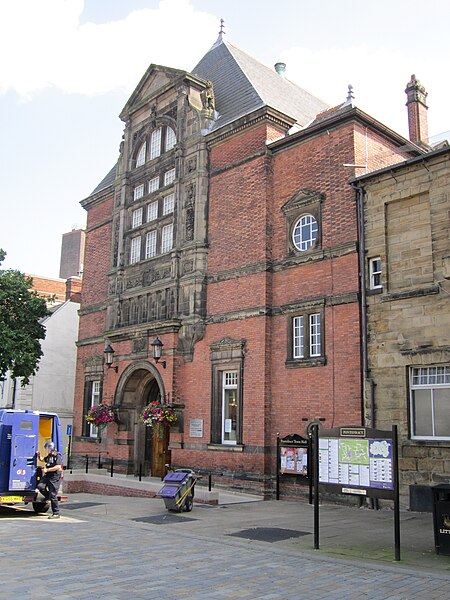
{"x": 50, "y": 48}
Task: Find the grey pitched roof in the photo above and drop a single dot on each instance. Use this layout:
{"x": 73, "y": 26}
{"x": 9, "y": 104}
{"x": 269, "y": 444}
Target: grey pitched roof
{"x": 242, "y": 85}
{"x": 106, "y": 181}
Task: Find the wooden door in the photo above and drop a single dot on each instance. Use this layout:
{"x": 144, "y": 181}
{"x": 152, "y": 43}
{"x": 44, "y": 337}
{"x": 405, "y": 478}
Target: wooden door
{"x": 160, "y": 452}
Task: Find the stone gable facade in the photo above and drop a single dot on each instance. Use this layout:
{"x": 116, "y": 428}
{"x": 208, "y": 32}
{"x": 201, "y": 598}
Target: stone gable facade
{"x": 406, "y": 219}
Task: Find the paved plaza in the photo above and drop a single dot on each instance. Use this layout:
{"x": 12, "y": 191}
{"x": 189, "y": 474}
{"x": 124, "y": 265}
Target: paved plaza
{"x": 117, "y": 548}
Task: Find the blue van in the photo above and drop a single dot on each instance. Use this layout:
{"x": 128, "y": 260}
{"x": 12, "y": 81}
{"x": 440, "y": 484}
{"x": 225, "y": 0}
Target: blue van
{"x": 22, "y": 434}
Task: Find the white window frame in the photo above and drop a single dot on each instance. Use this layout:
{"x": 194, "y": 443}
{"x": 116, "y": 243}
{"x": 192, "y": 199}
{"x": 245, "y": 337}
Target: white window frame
{"x": 171, "y": 139}
{"x": 135, "y": 250}
{"x": 434, "y": 379}
{"x": 138, "y": 191}
{"x": 167, "y": 238}
{"x": 305, "y": 233}
{"x": 150, "y": 244}
{"x": 153, "y": 184}
{"x": 136, "y": 218}
{"x": 169, "y": 204}
{"x": 375, "y": 273}
{"x": 169, "y": 176}
{"x": 315, "y": 335}
{"x": 140, "y": 158}
{"x": 155, "y": 143}
{"x": 307, "y": 336}
{"x": 152, "y": 211}
{"x": 229, "y": 383}
{"x": 298, "y": 337}
{"x": 94, "y": 400}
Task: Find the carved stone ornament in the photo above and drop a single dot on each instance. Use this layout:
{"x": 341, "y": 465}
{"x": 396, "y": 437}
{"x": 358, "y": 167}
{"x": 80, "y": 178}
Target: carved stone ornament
{"x": 301, "y": 199}
{"x": 188, "y": 266}
{"x": 140, "y": 345}
{"x": 148, "y": 277}
{"x": 228, "y": 342}
{"x": 190, "y": 219}
{"x": 190, "y": 195}
{"x": 207, "y": 97}
{"x": 133, "y": 282}
{"x": 191, "y": 164}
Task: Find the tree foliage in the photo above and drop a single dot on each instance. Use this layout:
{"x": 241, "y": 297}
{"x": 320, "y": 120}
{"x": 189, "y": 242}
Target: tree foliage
{"x": 21, "y": 312}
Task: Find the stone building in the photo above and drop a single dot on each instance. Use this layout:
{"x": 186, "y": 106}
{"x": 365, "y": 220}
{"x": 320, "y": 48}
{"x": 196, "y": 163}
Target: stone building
{"x": 226, "y": 232}
{"x": 407, "y": 272}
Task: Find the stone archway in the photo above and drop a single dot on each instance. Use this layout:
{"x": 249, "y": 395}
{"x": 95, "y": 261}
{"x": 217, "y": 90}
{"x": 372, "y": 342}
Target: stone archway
{"x": 140, "y": 384}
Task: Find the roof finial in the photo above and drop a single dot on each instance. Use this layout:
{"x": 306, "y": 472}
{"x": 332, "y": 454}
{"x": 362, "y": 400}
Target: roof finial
{"x": 350, "y": 95}
{"x": 280, "y": 68}
{"x": 222, "y": 26}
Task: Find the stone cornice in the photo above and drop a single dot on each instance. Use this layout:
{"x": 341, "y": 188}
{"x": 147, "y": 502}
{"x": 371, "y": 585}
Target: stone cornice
{"x": 92, "y": 308}
{"x": 262, "y": 114}
{"x": 286, "y": 263}
{"x": 341, "y": 118}
{"x": 148, "y": 329}
{"x": 290, "y": 308}
{"x": 239, "y": 163}
{"x": 98, "y": 198}
{"x": 416, "y": 293}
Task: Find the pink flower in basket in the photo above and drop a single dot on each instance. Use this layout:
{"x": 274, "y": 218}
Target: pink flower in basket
{"x": 155, "y": 415}
{"x": 100, "y": 415}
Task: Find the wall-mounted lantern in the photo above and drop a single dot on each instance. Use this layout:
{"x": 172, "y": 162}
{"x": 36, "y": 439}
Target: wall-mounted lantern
{"x": 108, "y": 353}
{"x": 157, "y": 351}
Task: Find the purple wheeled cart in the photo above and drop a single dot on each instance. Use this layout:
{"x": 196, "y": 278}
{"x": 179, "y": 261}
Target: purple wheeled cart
{"x": 178, "y": 490}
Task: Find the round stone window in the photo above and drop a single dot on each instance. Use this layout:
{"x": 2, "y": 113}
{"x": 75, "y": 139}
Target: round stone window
{"x": 305, "y": 233}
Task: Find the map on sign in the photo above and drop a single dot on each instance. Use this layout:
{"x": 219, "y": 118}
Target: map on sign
{"x": 356, "y": 462}
{"x": 353, "y": 451}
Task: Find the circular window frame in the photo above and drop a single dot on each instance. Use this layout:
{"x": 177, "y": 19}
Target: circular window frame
{"x": 313, "y": 240}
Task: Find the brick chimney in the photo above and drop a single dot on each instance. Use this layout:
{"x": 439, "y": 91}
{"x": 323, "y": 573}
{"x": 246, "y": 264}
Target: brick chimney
{"x": 417, "y": 111}
{"x": 73, "y": 289}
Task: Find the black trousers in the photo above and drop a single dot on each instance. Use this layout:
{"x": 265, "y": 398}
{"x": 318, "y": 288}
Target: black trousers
{"x": 49, "y": 489}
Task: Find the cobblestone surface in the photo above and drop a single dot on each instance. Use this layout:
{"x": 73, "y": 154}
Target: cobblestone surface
{"x": 101, "y": 552}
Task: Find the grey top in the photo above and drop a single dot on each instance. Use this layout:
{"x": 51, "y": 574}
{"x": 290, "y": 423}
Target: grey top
{"x": 242, "y": 85}
{"x": 106, "y": 181}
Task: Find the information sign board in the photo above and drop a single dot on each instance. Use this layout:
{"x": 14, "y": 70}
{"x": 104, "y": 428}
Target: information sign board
{"x": 294, "y": 455}
{"x": 196, "y": 428}
{"x": 358, "y": 460}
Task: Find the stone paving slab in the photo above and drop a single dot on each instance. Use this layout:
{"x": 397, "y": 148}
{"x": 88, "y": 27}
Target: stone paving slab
{"x": 101, "y": 552}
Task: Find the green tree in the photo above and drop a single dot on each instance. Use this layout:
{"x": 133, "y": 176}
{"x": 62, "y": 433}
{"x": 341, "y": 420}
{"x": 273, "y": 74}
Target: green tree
{"x": 21, "y": 312}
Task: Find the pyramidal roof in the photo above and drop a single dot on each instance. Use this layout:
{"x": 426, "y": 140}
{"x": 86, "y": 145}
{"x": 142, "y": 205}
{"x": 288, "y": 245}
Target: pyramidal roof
{"x": 242, "y": 85}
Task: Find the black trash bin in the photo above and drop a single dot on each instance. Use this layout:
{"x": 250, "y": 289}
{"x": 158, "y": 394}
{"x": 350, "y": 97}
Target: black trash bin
{"x": 441, "y": 518}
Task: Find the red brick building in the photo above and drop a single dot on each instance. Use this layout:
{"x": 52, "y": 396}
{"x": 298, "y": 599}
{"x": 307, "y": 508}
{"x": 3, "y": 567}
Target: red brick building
{"x": 228, "y": 230}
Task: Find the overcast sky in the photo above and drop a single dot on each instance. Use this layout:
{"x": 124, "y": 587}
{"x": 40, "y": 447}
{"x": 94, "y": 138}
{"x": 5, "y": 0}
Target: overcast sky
{"x": 69, "y": 66}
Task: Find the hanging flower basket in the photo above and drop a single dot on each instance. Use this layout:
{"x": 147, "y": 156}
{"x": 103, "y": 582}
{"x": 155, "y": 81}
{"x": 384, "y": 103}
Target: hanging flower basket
{"x": 158, "y": 416}
{"x": 100, "y": 415}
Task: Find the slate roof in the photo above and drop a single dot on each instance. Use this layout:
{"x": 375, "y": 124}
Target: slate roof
{"x": 242, "y": 85}
{"x": 106, "y": 181}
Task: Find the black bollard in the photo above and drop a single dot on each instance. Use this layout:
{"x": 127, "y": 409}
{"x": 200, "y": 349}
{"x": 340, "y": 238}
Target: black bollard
{"x": 209, "y": 481}
{"x": 99, "y": 461}
{"x": 112, "y": 466}
{"x": 87, "y": 463}
{"x": 140, "y": 471}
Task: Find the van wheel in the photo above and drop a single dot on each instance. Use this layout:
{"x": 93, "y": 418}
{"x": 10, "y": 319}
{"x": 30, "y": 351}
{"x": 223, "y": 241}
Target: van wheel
{"x": 41, "y": 507}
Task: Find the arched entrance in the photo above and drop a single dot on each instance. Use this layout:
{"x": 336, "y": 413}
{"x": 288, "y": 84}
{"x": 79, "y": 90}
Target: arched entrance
{"x": 139, "y": 385}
